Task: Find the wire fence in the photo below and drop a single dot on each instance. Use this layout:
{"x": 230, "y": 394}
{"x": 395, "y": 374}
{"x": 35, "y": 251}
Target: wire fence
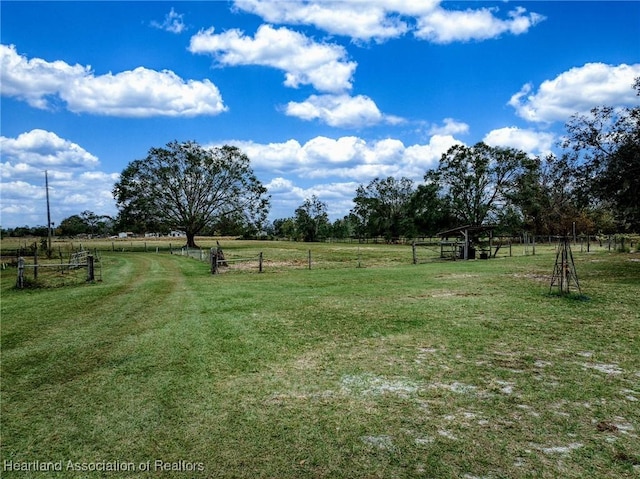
{"x": 70, "y": 264}
{"x": 79, "y": 267}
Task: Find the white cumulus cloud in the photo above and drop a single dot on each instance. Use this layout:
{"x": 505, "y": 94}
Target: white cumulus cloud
{"x": 421, "y": 158}
{"x": 355, "y": 19}
{"x": 447, "y": 26}
{"x": 450, "y": 127}
{"x": 348, "y": 157}
{"x": 75, "y": 181}
{"x": 537, "y": 143}
{"x": 577, "y": 90}
{"x": 304, "y": 61}
{"x": 137, "y": 93}
{"x": 340, "y": 111}
{"x": 173, "y": 22}
{"x": 41, "y": 149}
{"x": 344, "y": 162}
{"x": 381, "y": 20}
{"x": 286, "y": 196}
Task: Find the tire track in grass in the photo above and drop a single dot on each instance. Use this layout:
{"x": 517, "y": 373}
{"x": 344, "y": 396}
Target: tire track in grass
{"x": 83, "y": 329}
{"x": 104, "y": 380}
{"x": 164, "y": 374}
{"x": 136, "y": 321}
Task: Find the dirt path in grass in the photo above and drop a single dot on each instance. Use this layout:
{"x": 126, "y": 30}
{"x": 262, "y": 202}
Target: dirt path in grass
{"x": 152, "y": 285}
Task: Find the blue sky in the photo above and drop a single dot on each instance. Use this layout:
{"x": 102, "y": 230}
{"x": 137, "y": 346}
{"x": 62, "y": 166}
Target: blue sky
{"x": 322, "y": 96}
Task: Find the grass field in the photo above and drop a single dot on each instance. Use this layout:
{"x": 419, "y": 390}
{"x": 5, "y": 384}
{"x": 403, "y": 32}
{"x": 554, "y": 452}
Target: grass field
{"x": 445, "y": 369}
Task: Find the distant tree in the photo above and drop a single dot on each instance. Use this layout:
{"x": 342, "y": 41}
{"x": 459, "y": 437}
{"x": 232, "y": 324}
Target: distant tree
{"x": 22, "y": 231}
{"x": 605, "y": 149}
{"x": 344, "y": 228}
{"x": 312, "y": 220}
{"x": 382, "y": 207}
{"x": 285, "y": 228}
{"x": 91, "y": 220}
{"x": 73, "y": 225}
{"x": 105, "y": 226}
{"x": 96, "y": 224}
{"x": 479, "y": 181}
{"x": 547, "y": 197}
{"x": 185, "y": 186}
{"x": 40, "y": 231}
{"x": 431, "y": 213}
{"x": 228, "y": 225}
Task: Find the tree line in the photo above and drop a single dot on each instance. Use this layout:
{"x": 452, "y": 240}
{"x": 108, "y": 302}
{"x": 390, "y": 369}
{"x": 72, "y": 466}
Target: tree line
{"x": 591, "y": 186}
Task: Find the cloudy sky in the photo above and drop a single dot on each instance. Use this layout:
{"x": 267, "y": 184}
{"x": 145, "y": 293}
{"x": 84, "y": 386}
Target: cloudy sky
{"x": 322, "y": 95}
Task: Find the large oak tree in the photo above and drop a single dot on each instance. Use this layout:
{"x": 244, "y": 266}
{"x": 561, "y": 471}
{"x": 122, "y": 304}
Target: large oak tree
{"x": 185, "y": 186}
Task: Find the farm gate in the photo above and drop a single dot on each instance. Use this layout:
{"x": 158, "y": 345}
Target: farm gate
{"x": 81, "y": 266}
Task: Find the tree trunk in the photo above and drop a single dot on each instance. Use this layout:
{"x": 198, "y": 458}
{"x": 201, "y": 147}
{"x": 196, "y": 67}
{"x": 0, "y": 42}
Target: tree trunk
{"x": 191, "y": 240}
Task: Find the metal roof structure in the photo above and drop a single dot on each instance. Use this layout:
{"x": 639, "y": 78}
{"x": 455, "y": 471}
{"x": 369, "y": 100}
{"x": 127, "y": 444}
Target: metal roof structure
{"x": 464, "y": 230}
{"x": 467, "y": 249}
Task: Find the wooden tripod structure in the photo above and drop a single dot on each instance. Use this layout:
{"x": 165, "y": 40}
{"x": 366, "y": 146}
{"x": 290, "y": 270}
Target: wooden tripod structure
{"x": 564, "y": 271}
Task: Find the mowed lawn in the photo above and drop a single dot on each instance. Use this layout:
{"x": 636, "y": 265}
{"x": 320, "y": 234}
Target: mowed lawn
{"x": 446, "y": 369}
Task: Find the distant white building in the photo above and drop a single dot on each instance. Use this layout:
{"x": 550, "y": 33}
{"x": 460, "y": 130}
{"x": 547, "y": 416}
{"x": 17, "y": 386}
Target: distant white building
{"x": 177, "y": 234}
{"x": 125, "y": 234}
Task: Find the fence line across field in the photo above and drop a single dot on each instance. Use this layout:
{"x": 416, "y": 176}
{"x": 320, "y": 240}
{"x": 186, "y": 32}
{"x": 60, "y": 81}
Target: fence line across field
{"x": 236, "y": 260}
{"x": 421, "y": 250}
{"x": 83, "y": 259}
{"x": 217, "y": 259}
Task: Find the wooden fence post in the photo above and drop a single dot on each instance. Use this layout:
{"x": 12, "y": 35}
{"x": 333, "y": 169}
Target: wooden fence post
{"x": 90, "y": 268}
{"x": 35, "y": 265}
{"x": 413, "y": 247}
{"x": 260, "y": 262}
{"x": 534, "y": 244}
{"x": 20, "y": 282}
{"x": 213, "y": 255}
{"x": 309, "y": 260}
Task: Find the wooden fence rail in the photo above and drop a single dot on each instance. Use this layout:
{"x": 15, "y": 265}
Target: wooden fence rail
{"x": 89, "y": 264}
{"x": 217, "y": 259}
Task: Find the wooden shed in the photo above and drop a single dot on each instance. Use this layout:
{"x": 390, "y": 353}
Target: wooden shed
{"x": 463, "y": 246}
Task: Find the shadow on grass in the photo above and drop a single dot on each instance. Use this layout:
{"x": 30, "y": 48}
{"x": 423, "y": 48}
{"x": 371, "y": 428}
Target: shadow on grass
{"x": 568, "y": 296}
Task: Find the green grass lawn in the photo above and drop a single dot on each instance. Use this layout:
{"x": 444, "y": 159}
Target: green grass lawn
{"x": 446, "y": 369}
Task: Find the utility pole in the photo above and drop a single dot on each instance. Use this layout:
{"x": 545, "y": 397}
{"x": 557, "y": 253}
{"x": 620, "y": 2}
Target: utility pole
{"x": 46, "y": 182}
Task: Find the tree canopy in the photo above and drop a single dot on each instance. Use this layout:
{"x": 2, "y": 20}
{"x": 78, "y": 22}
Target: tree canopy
{"x": 187, "y": 187}
{"x": 311, "y": 219}
{"x": 478, "y": 182}
{"x": 605, "y": 149}
{"x": 592, "y": 186}
{"x": 382, "y": 207}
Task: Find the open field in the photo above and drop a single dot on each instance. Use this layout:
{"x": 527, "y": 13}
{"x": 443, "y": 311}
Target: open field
{"x": 444, "y": 369}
